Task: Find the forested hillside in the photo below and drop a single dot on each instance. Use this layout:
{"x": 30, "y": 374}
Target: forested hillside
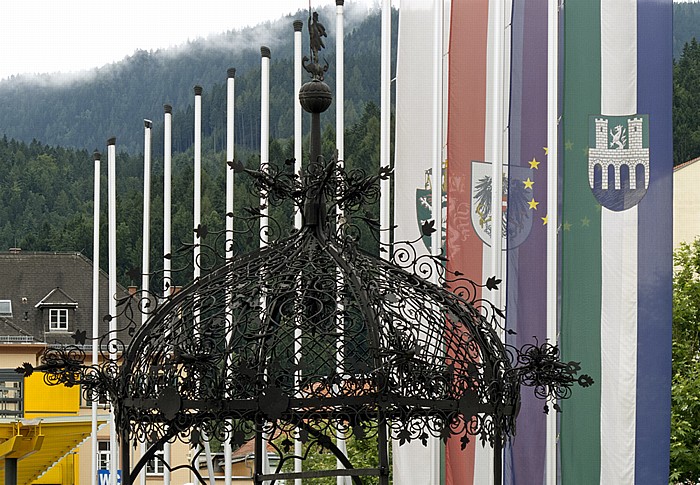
{"x": 83, "y": 111}
{"x": 46, "y": 194}
{"x": 686, "y": 82}
{"x": 686, "y": 25}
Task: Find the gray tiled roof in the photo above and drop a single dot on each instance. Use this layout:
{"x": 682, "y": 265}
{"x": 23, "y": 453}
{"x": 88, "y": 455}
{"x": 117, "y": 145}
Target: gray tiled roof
{"x": 28, "y": 278}
{"x": 57, "y": 298}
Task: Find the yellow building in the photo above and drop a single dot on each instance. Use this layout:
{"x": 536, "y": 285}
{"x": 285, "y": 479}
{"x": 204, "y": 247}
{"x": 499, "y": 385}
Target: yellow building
{"x": 44, "y": 299}
{"x": 41, "y": 426}
{"x": 686, "y": 202}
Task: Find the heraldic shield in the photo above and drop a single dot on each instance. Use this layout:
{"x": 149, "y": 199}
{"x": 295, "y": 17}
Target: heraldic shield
{"x": 618, "y": 159}
{"x": 515, "y": 216}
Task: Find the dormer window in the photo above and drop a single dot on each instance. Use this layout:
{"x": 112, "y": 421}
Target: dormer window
{"x": 57, "y": 305}
{"x": 5, "y": 308}
{"x": 58, "y": 319}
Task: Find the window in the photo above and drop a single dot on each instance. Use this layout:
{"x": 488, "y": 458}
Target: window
{"x": 58, "y": 319}
{"x": 155, "y": 465}
{"x": 10, "y": 394}
{"x": 103, "y": 455}
{"x": 5, "y": 308}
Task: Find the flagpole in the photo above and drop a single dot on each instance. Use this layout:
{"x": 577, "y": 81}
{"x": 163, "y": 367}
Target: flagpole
{"x": 552, "y": 215}
{"x": 264, "y": 210}
{"x": 385, "y": 127}
{"x": 230, "y": 104}
{"x": 197, "y": 224}
{"x": 298, "y": 25}
{"x": 112, "y": 246}
{"x": 264, "y": 137}
{"x": 197, "y": 177}
{"x": 167, "y": 216}
{"x": 167, "y": 198}
{"x": 145, "y": 259}
{"x": 496, "y": 154}
{"x": 340, "y": 149}
{"x": 146, "y": 240}
{"x": 435, "y": 449}
{"x": 95, "y": 304}
{"x": 436, "y": 171}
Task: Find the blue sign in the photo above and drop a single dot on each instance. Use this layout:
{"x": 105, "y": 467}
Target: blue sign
{"x": 103, "y": 477}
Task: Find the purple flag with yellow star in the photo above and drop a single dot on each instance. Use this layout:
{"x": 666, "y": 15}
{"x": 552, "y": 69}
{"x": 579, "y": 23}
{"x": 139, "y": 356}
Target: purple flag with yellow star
{"x": 526, "y": 226}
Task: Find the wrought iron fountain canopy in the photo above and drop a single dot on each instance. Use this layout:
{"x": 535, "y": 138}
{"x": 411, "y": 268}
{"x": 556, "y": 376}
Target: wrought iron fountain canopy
{"x": 311, "y": 336}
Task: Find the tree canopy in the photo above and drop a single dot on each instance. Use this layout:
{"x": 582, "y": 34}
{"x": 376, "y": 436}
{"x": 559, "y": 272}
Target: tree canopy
{"x": 685, "y": 414}
{"x": 686, "y": 104}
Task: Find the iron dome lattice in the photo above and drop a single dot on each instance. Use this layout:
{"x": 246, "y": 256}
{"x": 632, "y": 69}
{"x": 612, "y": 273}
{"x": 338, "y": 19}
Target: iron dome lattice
{"x": 312, "y": 335}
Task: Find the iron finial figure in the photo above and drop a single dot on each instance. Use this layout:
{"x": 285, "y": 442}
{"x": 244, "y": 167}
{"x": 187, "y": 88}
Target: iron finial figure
{"x": 316, "y": 33}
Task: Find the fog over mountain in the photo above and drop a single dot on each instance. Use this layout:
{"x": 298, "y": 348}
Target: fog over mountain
{"x": 82, "y": 110}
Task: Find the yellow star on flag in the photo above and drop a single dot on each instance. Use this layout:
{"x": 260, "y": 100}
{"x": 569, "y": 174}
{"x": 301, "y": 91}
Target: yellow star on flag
{"x": 585, "y": 222}
{"x": 528, "y": 183}
{"x": 544, "y": 220}
{"x": 569, "y": 145}
{"x": 567, "y": 226}
{"x": 534, "y": 164}
{"x": 532, "y": 204}
{"x": 546, "y": 150}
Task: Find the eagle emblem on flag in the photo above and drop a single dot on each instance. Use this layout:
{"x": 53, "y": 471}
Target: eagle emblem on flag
{"x": 515, "y": 218}
{"x": 618, "y": 160}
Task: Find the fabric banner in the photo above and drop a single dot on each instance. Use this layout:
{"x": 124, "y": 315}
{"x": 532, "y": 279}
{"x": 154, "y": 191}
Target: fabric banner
{"x": 413, "y": 463}
{"x": 527, "y": 213}
{"x": 616, "y": 258}
{"x": 472, "y": 91}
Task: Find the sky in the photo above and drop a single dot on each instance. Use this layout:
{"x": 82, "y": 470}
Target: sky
{"x": 46, "y": 36}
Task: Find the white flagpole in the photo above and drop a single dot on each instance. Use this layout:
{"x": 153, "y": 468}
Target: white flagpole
{"x": 146, "y": 260}
{"x": 167, "y": 198}
{"x": 298, "y": 25}
{"x": 264, "y": 135}
{"x": 197, "y": 177}
{"x": 264, "y": 163}
{"x": 167, "y": 217}
{"x": 145, "y": 256}
{"x": 340, "y": 148}
{"x": 340, "y": 80}
{"x": 385, "y": 127}
{"x": 197, "y": 271}
{"x": 95, "y": 304}
{"x": 552, "y": 215}
{"x": 112, "y": 243}
{"x": 436, "y": 179}
{"x": 230, "y": 103}
{"x": 496, "y": 152}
